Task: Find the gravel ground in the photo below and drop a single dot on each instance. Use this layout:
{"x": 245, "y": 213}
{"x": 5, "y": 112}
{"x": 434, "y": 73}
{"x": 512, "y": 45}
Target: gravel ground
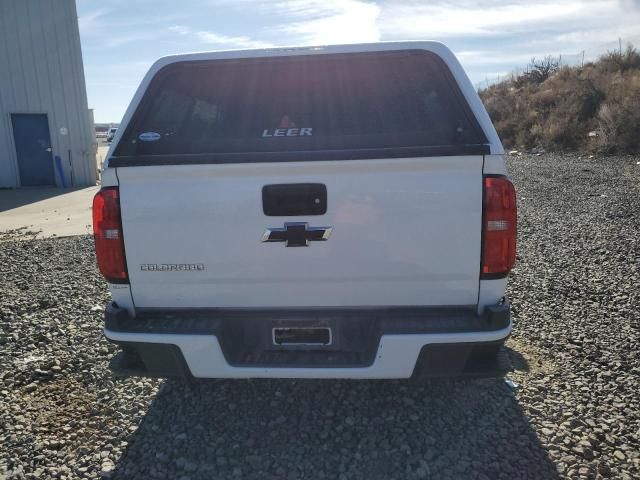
{"x": 575, "y": 413}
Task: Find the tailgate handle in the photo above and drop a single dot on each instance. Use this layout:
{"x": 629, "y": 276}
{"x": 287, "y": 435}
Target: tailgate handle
{"x": 294, "y": 199}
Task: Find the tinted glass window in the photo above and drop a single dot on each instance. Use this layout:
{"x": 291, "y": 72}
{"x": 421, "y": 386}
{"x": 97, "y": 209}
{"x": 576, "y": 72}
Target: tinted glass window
{"x": 306, "y": 103}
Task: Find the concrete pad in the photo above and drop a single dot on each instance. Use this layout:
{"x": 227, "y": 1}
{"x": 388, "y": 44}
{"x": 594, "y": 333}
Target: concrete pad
{"x": 49, "y": 211}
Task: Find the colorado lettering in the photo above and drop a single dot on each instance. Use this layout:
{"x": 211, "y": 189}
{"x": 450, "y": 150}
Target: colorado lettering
{"x": 171, "y": 267}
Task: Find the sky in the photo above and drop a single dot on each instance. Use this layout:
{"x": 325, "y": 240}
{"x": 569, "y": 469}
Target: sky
{"x": 122, "y": 38}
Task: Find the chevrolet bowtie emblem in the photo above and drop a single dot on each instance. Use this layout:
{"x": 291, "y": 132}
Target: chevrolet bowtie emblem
{"x": 297, "y": 234}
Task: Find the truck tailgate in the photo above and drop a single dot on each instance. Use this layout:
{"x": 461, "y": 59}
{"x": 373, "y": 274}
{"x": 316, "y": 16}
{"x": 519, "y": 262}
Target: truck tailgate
{"x": 404, "y": 232}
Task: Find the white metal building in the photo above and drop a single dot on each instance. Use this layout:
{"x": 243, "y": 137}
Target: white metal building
{"x": 46, "y": 128}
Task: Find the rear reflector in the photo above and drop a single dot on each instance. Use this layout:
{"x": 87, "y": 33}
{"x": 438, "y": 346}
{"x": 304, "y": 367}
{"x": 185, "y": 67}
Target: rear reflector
{"x": 107, "y": 232}
{"x": 499, "y": 227}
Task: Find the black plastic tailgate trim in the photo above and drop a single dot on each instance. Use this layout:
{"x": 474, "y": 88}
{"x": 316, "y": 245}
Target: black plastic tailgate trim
{"x": 298, "y": 156}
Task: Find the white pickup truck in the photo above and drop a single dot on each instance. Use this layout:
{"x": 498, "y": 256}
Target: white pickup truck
{"x": 322, "y": 212}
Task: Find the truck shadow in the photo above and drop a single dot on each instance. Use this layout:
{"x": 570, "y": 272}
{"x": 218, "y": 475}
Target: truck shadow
{"x": 288, "y": 429}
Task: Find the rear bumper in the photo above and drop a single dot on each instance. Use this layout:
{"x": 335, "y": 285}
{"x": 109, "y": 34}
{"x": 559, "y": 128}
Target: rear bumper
{"x": 370, "y": 343}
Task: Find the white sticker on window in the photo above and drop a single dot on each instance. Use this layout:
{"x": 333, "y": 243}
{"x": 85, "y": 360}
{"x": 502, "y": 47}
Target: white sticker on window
{"x": 149, "y": 136}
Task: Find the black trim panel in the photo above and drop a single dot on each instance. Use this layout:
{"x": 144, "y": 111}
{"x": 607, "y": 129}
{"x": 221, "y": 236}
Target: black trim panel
{"x": 299, "y": 156}
{"x": 155, "y": 360}
{"x": 475, "y": 359}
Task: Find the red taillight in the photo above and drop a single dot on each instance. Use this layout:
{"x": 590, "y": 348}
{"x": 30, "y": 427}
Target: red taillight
{"x": 107, "y": 232}
{"x": 498, "y": 227}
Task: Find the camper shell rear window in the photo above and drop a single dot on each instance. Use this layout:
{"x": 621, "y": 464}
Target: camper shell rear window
{"x": 329, "y": 106}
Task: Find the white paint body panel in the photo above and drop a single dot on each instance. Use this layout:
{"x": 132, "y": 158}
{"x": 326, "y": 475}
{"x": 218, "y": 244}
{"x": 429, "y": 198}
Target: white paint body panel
{"x": 396, "y": 356}
{"x": 494, "y": 165}
{"x": 121, "y": 295}
{"x": 405, "y": 232}
{"x": 491, "y": 292}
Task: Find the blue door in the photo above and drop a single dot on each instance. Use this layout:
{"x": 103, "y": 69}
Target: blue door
{"x": 33, "y": 146}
